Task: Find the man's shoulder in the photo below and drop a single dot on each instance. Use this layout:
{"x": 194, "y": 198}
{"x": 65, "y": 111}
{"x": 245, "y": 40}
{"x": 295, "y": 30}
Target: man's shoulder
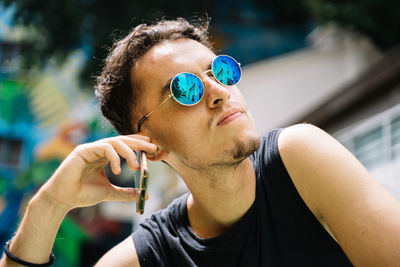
{"x": 341, "y": 191}
{"x": 296, "y": 138}
{"x": 297, "y": 133}
{"x": 123, "y": 254}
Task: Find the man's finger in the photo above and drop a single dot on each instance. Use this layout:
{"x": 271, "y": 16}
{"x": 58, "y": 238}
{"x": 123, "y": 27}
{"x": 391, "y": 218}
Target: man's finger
{"x": 138, "y": 144}
{"x": 143, "y": 137}
{"x": 118, "y": 193}
{"x": 112, "y": 156}
{"x": 126, "y": 152}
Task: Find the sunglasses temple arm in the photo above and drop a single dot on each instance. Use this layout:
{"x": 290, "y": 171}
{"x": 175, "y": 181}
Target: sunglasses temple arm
{"x": 162, "y": 103}
{"x": 147, "y": 115}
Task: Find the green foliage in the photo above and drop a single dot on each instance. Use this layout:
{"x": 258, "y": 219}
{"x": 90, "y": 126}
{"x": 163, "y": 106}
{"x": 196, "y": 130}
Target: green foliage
{"x": 65, "y": 25}
{"x": 378, "y": 19}
{"x": 68, "y": 243}
{"x": 14, "y": 106}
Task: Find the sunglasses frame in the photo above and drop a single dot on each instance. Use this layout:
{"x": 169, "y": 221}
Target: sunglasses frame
{"x": 171, "y": 95}
{"x": 211, "y": 70}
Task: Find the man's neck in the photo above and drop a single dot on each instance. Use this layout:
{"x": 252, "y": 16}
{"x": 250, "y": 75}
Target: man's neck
{"x": 219, "y": 200}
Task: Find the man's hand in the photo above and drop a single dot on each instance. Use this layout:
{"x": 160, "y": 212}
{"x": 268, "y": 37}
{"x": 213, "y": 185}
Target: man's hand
{"x": 81, "y": 181}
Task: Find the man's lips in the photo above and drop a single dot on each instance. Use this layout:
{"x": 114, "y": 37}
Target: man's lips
{"x": 229, "y": 116}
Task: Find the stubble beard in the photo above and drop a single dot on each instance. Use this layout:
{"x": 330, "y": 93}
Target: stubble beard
{"x": 234, "y": 156}
{"x": 243, "y": 150}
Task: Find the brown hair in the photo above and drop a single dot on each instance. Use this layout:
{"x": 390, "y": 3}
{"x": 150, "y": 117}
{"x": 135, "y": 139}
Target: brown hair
{"x": 118, "y": 93}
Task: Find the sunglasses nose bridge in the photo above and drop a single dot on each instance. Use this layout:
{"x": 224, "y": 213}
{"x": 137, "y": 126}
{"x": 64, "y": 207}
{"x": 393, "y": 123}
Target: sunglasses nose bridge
{"x": 210, "y": 77}
{"x": 214, "y": 92}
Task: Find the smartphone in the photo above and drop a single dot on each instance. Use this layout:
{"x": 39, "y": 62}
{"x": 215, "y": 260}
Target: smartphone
{"x": 143, "y": 181}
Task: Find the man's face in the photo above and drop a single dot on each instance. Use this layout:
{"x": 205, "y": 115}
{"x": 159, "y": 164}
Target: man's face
{"x": 216, "y": 132}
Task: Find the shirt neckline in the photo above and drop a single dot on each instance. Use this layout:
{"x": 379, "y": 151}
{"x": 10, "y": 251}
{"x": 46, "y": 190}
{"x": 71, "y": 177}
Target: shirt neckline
{"x": 185, "y": 230}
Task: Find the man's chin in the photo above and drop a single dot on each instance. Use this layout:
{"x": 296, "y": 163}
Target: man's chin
{"x": 244, "y": 149}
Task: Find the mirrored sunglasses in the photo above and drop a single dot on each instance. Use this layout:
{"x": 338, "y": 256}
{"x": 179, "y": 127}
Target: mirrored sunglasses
{"x": 188, "y": 89}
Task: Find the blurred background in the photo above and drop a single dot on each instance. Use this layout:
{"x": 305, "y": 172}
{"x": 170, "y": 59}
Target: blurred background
{"x": 335, "y": 64}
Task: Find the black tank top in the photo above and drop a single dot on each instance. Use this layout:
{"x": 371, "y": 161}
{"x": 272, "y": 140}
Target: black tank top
{"x": 277, "y": 230}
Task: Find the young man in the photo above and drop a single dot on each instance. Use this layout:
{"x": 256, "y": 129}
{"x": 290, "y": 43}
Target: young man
{"x": 295, "y": 197}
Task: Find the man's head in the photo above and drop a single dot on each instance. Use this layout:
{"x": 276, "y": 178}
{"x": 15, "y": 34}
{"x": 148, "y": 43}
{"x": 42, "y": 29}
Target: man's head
{"x": 117, "y": 89}
{"x": 218, "y": 131}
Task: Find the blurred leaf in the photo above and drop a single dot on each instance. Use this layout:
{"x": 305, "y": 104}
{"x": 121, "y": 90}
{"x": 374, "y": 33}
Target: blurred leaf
{"x": 13, "y": 102}
{"x": 378, "y": 19}
{"x": 37, "y": 174}
{"x": 65, "y": 25}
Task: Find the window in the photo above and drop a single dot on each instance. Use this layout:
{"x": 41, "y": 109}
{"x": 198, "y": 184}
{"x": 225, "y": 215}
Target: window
{"x": 10, "y": 151}
{"x": 369, "y": 147}
{"x": 375, "y": 140}
{"x": 395, "y": 133}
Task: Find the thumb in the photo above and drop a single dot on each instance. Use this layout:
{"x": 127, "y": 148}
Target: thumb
{"x": 118, "y": 193}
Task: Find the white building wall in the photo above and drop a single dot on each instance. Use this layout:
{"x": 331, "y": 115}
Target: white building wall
{"x": 285, "y": 88}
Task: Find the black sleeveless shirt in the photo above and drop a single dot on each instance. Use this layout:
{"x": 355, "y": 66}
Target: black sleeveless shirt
{"x": 277, "y": 230}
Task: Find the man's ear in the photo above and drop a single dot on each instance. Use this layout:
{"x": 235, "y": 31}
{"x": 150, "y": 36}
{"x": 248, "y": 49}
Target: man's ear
{"x": 159, "y": 155}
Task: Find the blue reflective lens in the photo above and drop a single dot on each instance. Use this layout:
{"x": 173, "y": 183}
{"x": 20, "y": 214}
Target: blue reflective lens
{"x": 187, "y": 88}
{"x": 226, "y": 70}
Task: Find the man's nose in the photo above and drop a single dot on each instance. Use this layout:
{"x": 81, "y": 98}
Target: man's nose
{"x": 216, "y": 94}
